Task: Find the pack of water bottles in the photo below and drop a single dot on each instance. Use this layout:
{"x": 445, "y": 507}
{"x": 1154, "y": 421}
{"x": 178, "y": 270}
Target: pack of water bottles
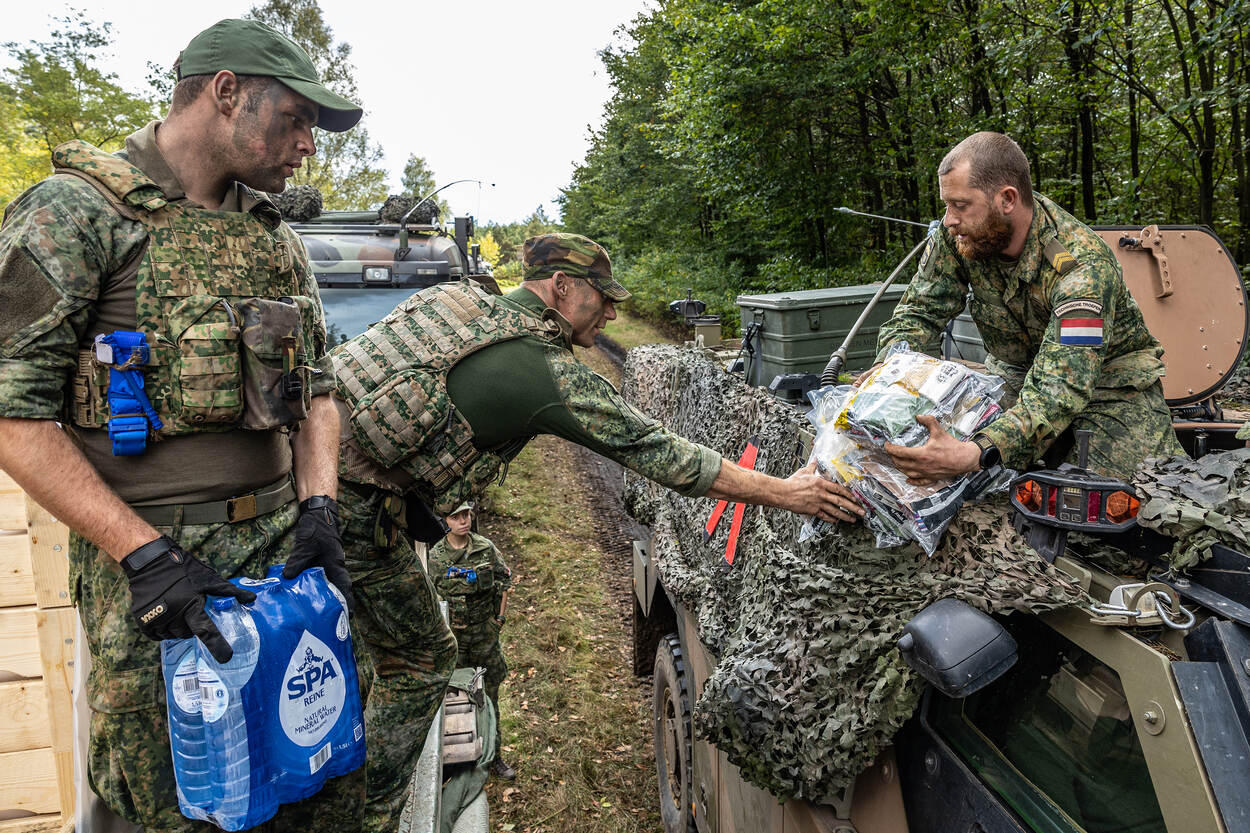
{"x": 277, "y": 720}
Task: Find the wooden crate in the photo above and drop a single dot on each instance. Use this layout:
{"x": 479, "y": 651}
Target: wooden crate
{"x": 38, "y": 626}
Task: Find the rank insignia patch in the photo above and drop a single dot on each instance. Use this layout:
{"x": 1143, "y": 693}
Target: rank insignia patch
{"x": 1081, "y": 332}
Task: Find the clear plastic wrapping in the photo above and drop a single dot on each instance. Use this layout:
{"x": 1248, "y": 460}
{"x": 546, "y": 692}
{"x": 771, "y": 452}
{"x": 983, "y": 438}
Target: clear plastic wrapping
{"x": 853, "y": 424}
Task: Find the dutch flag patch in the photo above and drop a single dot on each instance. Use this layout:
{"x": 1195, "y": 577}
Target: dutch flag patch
{"x": 1081, "y": 332}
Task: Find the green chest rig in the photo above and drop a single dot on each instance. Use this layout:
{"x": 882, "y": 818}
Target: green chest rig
{"x": 219, "y": 301}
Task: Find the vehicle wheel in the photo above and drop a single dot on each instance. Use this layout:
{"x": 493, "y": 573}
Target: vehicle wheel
{"x": 670, "y": 709}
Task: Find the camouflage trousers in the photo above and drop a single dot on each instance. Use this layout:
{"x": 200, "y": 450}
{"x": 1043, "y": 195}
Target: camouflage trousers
{"x": 1128, "y": 426}
{"x": 411, "y": 647}
{"x": 478, "y": 647}
{"x": 129, "y": 764}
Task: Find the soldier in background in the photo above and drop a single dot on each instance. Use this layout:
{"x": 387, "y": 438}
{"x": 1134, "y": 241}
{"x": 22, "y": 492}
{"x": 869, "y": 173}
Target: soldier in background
{"x": 470, "y": 574}
{"x": 435, "y": 399}
{"x": 1057, "y": 319}
{"x": 205, "y": 474}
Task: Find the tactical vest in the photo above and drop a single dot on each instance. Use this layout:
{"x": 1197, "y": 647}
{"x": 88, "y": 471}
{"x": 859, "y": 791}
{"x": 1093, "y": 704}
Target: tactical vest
{"x": 218, "y": 298}
{"x": 467, "y": 583}
{"x": 394, "y": 381}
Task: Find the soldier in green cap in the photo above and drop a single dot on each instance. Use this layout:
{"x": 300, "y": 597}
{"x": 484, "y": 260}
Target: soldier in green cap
{"x": 143, "y": 298}
{"x": 435, "y": 399}
{"x": 470, "y": 574}
{"x": 1057, "y": 319}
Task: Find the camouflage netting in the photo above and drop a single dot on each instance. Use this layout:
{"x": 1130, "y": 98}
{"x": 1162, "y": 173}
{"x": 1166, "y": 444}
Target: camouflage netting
{"x": 1197, "y": 502}
{"x": 298, "y": 203}
{"x": 809, "y": 686}
{"x": 397, "y": 205}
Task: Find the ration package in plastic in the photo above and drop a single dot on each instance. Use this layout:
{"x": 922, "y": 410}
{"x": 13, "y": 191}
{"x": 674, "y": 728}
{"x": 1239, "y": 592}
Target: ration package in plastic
{"x": 853, "y": 424}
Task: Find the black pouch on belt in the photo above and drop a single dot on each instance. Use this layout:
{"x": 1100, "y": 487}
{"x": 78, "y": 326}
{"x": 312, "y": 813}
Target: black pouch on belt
{"x": 423, "y": 524}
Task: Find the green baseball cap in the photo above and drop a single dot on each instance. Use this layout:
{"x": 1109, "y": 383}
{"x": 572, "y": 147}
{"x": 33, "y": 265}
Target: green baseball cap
{"x": 248, "y": 47}
{"x": 466, "y": 505}
{"x": 572, "y": 254}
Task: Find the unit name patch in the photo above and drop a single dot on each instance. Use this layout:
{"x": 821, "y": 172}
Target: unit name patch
{"x": 1088, "y": 305}
{"x": 1081, "y": 332}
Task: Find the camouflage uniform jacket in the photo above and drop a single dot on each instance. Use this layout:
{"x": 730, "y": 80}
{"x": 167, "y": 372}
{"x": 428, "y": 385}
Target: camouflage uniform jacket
{"x": 69, "y": 262}
{"x": 472, "y": 599}
{"x": 514, "y": 390}
{"x": 1058, "y": 323}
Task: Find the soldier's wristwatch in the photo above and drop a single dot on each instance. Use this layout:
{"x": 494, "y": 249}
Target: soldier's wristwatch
{"x": 990, "y": 455}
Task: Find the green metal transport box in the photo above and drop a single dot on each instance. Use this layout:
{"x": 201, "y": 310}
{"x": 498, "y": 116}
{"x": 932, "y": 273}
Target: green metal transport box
{"x": 798, "y": 331}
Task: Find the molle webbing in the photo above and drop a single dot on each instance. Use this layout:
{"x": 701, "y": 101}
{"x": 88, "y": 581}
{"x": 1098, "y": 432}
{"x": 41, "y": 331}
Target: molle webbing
{"x": 394, "y": 379}
{"x": 197, "y": 267}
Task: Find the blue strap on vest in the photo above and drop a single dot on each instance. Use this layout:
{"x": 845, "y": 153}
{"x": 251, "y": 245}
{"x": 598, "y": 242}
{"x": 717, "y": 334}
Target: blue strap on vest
{"x": 130, "y": 410}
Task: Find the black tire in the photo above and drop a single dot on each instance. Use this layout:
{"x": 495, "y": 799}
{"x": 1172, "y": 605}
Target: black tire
{"x": 670, "y": 710}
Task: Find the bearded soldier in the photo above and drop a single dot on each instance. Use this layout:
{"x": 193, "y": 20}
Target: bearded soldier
{"x": 153, "y": 303}
{"x": 436, "y": 398}
{"x": 1057, "y": 319}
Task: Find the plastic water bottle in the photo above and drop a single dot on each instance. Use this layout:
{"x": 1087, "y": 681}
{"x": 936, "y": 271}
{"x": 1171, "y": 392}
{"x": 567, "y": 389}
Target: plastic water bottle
{"x": 186, "y": 727}
{"x": 226, "y": 719}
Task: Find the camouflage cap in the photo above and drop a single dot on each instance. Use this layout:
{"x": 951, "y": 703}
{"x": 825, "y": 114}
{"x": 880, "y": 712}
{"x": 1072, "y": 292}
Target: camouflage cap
{"x": 463, "y": 507}
{"x": 574, "y": 255}
{"x": 249, "y": 47}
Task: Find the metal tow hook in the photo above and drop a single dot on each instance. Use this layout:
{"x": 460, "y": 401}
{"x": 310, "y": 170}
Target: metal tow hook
{"x": 1143, "y": 604}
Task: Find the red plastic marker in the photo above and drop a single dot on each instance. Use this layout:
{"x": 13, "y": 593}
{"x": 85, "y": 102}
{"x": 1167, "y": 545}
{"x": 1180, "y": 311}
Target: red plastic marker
{"x": 747, "y": 460}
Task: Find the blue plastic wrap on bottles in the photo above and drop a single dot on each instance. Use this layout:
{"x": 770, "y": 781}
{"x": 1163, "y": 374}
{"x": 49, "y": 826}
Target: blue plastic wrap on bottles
{"x": 232, "y": 705}
{"x": 186, "y": 728}
{"x": 319, "y": 728}
{"x": 270, "y": 726}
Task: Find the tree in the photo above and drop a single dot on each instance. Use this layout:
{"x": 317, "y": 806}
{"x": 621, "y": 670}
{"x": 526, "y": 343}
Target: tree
{"x": 23, "y": 157}
{"x": 347, "y": 168}
{"x": 419, "y": 182}
{"x": 490, "y": 247}
{"x": 55, "y": 92}
{"x": 737, "y": 127}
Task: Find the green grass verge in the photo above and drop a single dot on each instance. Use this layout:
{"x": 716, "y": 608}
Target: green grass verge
{"x": 630, "y": 330}
{"x": 576, "y": 723}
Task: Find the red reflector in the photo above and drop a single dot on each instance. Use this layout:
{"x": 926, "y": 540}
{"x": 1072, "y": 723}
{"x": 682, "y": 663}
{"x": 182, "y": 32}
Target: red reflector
{"x": 1095, "y": 503}
{"x": 1050, "y": 504}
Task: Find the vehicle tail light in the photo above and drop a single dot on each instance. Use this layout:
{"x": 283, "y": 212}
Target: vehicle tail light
{"x": 1050, "y": 504}
{"x": 1029, "y": 493}
{"x": 1095, "y": 503}
{"x": 1121, "y": 506}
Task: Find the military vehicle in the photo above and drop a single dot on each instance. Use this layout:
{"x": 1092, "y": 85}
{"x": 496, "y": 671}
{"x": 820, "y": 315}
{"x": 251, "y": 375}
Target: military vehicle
{"x": 366, "y": 266}
{"x": 1130, "y": 715}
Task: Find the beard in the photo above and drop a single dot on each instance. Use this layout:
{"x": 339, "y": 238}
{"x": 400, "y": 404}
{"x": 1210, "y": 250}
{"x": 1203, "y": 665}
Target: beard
{"x": 987, "y": 240}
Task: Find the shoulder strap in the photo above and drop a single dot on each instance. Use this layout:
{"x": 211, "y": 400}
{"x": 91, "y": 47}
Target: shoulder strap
{"x": 111, "y": 174}
{"x": 124, "y": 209}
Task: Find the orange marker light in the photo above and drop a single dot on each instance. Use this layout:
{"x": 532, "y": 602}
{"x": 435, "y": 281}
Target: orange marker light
{"x": 1029, "y": 494}
{"x": 1121, "y": 506}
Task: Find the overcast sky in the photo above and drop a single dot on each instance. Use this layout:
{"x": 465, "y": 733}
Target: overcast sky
{"x": 495, "y": 90}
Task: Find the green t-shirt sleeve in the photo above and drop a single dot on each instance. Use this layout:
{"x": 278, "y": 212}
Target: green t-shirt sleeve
{"x": 517, "y": 389}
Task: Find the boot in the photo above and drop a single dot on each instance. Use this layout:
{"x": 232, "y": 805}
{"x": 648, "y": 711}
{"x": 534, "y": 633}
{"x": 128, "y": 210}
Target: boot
{"x": 500, "y": 769}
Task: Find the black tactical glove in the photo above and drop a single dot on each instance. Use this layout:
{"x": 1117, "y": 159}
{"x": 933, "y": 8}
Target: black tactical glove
{"x": 167, "y": 590}
{"x": 318, "y": 544}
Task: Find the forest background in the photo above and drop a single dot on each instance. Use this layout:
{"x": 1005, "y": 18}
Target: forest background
{"x": 737, "y": 129}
